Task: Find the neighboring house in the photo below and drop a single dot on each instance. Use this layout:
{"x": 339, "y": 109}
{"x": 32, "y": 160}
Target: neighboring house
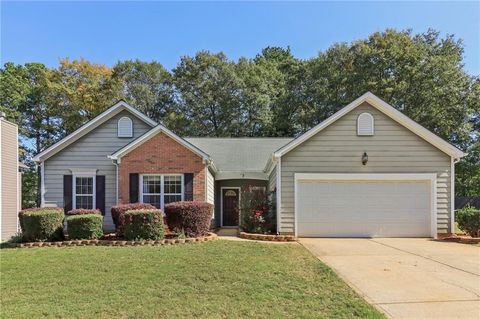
{"x": 366, "y": 171}
{"x": 10, "y": 179}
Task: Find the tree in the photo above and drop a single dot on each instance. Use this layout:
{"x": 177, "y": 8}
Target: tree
{"x": 148, "y": 86}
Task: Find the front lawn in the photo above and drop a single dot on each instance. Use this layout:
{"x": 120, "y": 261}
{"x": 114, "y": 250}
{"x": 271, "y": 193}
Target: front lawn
{"x": 220, "y": 279}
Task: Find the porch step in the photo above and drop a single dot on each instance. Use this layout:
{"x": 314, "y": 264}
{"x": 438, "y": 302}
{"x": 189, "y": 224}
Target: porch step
{"x": 227, "y": 232}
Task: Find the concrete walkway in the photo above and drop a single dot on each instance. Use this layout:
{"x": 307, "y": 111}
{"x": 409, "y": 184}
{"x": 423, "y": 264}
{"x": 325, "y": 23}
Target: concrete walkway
{"x": 407, "y": 278}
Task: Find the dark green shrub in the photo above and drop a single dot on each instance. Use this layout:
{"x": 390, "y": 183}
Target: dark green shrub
{"x": 85, "y": 226}
{"x": 35, "y": 209}
{"x": 257, "y": 211}
{"x": 83, "y": 211}
{"x": 143, "y": 224}
{"x": 468, "y": 219}
{"x": 119, "y": 210}
{"x": 192, "y": 217}
{"x": 45, "y": 224}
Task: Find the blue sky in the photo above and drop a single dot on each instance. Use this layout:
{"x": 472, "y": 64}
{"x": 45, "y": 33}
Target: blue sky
{"x": 105, "y": 32}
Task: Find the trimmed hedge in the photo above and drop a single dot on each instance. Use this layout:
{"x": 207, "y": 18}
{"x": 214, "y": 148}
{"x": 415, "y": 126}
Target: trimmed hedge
{"x": 193, "y": 217}
{"x": 468, "y": 219}
{"x": 143, "y": 224}
{"x": 85, "y": 226}
{"x": 119, "y": 210}
{"x": 82, "y": 211}
{"x": 42, "y": 224}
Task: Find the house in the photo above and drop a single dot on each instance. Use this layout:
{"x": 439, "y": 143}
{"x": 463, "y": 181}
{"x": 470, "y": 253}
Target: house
{"x": 10, "y": 179}
{"x": 366, "y": 171}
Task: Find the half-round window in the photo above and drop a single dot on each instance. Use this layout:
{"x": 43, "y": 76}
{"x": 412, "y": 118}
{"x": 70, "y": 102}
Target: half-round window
{"x": 365, "y": 124}
{"x": 125, "y": 127}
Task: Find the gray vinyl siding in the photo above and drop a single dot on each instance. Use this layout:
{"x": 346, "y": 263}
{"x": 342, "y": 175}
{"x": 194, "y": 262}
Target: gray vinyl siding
{"x": 242, "y": 183}
{"x": 392, "y": 149}
{"x": 9, "y": 179}
{"x": 210, "y": 188}
{"x": 272, "y": 179}
{"x": 90, "y": 151}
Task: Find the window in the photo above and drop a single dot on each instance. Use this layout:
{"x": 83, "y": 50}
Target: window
{"x": 365, "y": 124}
{"x": 125, "y": 127}
{"x": 159, "y": 190}
{"x": 83, "y": 192}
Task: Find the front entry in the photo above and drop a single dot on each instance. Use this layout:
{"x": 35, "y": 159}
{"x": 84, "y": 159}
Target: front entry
{"x": 230, "y": 206}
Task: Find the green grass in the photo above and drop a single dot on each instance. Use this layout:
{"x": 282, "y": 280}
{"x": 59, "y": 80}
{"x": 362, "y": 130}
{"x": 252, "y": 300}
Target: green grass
{"x": 220, "y": 279}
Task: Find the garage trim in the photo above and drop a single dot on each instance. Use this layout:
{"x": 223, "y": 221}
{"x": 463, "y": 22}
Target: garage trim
{"x": 430, "y": 177}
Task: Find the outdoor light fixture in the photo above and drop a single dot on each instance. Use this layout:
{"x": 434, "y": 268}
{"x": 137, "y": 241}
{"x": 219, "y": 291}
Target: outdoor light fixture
{"x": 364, "y": 158}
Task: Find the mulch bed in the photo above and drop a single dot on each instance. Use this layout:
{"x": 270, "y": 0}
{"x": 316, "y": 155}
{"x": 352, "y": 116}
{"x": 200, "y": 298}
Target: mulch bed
{"x": 264, "y": 237}
{"x": 461, "y": 239}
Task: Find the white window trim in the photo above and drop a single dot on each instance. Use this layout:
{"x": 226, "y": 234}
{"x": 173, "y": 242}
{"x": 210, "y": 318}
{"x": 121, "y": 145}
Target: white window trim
{"x": 370, "y": 116}
{"x": 123, "y": 118}
{"x": 162, "y": 191}
{"x": 74, "y": 189}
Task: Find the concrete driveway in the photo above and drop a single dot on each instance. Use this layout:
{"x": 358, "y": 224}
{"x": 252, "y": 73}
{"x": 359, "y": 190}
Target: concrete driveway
{"x": 407, "y": 278}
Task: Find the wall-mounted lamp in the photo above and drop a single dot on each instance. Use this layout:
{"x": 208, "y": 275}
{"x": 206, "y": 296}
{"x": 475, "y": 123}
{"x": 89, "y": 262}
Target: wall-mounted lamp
{"x": 364, "y": 158}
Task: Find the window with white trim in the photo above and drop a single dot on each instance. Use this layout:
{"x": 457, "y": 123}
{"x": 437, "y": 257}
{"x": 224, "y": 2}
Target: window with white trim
{"x": 365, "y": 124}
{"x": 83, "y": 191}
{"x": 125, "y": 127}
{"x": 159, "y": 190}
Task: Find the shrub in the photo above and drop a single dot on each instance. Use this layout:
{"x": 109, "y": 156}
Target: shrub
{"x": 82, "y": 211}
{"x": 35, "y": 209}
{"x": 119, "y": 210}
{"x": 143, "y": 224}
{"x": 43, "y": 224}
{"x": 257, "y": 211}
{"x": 468, "y": 219}
{"x": 193, "y": 217}
{"x": 85, "y": 226}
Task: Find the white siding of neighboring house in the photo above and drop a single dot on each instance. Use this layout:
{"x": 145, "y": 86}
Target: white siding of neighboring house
{"x": 9, "y": 196}
{"x": 392, "y": 149}
{"x": 90, "y": 151}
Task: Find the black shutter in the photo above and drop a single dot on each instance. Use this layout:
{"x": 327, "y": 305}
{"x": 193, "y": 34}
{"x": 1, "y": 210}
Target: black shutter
{"x": 67, "y": 193}
{"x": 100, "y": 193}
{"x": 133, "y": 187}
{"x": 188, "y": 186}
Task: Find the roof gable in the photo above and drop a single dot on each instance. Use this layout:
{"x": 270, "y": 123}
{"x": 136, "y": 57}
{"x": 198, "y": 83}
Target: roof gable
{"x": 154, "y": 131}
{"x": 90, "y": 126}
{"x": 386, "y": 109}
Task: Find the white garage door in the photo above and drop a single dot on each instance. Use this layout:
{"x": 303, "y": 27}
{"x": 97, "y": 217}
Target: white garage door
{"x": 371, "y": 205}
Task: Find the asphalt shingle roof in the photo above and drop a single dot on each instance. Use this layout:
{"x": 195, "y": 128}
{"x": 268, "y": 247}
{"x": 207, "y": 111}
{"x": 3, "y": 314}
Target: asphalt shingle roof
{"x": 239, "y": 154}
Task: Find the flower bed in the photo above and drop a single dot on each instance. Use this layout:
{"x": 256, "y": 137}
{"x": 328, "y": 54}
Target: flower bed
{"x": 119, "y": 242}
{"x": 251, "y": 236}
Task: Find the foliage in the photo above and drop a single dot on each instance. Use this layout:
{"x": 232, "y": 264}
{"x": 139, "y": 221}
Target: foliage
{"x": 83, "y": 211}
{"x": 119, "y": 210}
{"x": 143, "y": 224}
{"x": 257, "y": 214}
{"x": 42, "y": 224}
{"x": 85, "y": 226}
{"x": 468, "y": 219}
{"x": 273, "y": 94}
{"x": 192, "y": 217}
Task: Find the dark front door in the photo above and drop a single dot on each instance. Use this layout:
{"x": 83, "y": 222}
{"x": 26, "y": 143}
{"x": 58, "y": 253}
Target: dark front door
{"x": 230, "y": 206}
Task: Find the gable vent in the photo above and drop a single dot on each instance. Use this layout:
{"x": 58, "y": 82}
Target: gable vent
{"x": 125, "y": 127}
{"x": 365, "y": 124}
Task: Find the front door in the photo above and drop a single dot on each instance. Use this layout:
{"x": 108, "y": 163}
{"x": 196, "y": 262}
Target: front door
{"x": 230, "y": 199}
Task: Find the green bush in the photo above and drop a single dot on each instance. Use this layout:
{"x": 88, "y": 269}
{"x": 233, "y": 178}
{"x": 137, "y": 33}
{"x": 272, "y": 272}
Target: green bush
{"x": 85, "y": 226}
{"x": 468, "y": 219}
{"x": 143, "y": 224}
{"x": 42, "y": 224}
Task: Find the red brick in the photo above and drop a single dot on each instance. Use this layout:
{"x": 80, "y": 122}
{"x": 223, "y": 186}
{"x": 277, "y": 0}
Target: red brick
{"x": 161, "y": 155}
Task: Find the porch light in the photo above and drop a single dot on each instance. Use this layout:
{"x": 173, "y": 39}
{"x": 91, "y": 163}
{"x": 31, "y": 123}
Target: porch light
{"x": 364, "y": 158}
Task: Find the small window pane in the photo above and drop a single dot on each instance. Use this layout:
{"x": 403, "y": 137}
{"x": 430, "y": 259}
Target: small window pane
{"x": 84, "y": 185}
{"x": 84, "y": 202}
{"x": 172, "y": 198}
{"x": 152, "y": 199}
{"x": 151, "y": 184}
{"x": 172, "y": 184}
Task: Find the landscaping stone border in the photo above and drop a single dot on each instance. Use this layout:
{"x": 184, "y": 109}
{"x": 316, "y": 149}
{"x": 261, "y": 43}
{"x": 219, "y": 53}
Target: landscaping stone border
{"x": 264, "y": 237}
{"x": 101, "y": 242}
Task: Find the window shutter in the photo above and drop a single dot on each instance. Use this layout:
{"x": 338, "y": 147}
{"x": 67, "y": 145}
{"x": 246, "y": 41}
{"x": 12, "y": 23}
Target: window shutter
{"x": 188, "y": 186}
{"x": 134, "y": 181}
{"x": 67, "y": 193}
{"x": 100, "y": 193}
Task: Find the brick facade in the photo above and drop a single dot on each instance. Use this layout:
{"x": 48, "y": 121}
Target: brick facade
{"x": 161, "y": 155}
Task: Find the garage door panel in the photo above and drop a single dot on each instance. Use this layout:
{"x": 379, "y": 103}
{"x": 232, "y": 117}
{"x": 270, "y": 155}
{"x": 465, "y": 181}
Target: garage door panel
{"x": 363, "y": 208}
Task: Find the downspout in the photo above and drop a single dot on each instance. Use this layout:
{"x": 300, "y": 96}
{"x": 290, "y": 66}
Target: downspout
{"x": 116, "y": 180}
